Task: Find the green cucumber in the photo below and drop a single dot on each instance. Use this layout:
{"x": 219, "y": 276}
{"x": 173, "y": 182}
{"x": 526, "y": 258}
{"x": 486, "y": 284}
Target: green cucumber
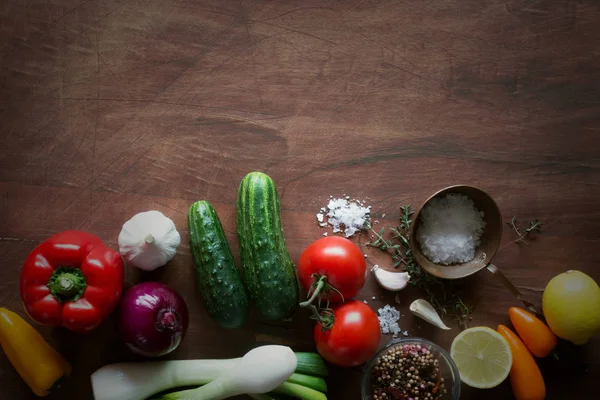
{"x": 310, "y": 364}
{"x": 266, "y": 265}
{"x": 218, "y": 279}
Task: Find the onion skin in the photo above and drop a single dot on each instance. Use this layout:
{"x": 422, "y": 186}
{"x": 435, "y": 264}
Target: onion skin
{"x": 153, "y": 319}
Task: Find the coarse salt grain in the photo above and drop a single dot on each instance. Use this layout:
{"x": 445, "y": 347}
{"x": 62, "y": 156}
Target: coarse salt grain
{"x": 450, "y": 229}
{"x": 388, "y": 320}
{"x": 345, "y": 216}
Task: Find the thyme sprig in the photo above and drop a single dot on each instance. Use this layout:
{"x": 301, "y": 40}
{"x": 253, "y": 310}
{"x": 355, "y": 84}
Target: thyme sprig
{"x": 534, "y": 225}
{"x": 445, "y": 296}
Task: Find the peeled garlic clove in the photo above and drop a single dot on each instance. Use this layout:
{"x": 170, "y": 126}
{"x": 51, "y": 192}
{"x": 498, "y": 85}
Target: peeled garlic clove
{"x": 393, "y": 281}
{"x": 424, "y": 310}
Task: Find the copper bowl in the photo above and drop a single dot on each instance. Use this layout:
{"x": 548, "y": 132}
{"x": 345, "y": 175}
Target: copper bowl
{"x": 490, "y": 241}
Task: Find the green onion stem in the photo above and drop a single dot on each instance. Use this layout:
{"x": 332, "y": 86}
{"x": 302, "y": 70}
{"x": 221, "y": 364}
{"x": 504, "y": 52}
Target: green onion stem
{"x": 299, "y": 391}
{"x": 313, "y": 382}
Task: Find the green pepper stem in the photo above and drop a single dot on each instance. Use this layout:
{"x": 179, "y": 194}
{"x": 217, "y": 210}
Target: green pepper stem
{"x": 67, "y": 284}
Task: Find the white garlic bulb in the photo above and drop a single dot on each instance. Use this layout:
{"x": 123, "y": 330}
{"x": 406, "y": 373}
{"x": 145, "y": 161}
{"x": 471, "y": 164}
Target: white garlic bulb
{"x": 424, "y": 310}
{"x": 149, "y": 240}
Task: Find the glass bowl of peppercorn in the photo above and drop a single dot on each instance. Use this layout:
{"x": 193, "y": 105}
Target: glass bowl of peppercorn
{"x": 411, "y": 369}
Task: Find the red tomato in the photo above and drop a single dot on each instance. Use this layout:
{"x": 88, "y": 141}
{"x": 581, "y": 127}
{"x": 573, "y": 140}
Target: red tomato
{"x": 353, "y": 338}
{"x": 337, "y": 258}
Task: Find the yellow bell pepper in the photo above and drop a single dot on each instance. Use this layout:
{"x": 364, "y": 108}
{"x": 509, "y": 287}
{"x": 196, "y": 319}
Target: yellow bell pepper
{"x": 34, "y": 359}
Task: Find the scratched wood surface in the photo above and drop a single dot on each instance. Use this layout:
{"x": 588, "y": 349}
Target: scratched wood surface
{"x": 112, "y": 107}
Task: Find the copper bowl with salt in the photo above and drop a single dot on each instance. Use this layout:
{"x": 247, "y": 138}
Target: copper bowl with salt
{"x": 490, "y": 241}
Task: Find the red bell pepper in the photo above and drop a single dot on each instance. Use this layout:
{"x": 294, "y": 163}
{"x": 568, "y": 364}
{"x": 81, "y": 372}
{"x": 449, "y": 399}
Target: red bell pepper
{"x": 72, "y": 279}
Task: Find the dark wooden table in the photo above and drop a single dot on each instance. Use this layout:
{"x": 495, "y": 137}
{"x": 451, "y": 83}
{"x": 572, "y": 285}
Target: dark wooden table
{"x": 112, "y": 107}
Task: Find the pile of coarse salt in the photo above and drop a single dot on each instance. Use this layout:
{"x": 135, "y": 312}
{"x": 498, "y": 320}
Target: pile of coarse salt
{"x": 345, "y": 215}
{"x": 450, "y": 229}
{"x": 388, "y": 321}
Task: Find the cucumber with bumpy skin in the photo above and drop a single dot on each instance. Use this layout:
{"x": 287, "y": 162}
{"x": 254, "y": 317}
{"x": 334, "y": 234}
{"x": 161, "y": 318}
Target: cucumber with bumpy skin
{"x": 310, "y": 364}
{"x": 266, "y": 265}
{"x": 217, "y": 277}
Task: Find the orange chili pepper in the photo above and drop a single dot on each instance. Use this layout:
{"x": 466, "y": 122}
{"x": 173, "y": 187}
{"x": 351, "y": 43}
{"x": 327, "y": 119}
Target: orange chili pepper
{"x": 525, "y": 376}
{"x": 536, "y": 335}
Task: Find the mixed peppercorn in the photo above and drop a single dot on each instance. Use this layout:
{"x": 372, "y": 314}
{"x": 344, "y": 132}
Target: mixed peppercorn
{"x": 407, "y": 372}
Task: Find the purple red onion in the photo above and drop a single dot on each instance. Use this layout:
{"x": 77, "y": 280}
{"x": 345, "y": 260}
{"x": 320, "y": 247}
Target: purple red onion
{"x": 153, "y": 319}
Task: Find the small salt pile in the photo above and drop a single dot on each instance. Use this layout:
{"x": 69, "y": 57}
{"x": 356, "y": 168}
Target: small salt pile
{"x": 388, "y": 320}
{"x": 345, "y": 215}
{"x": 450, "y": 229}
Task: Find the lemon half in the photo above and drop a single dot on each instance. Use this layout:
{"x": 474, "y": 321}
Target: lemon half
{"x": 482, "y": 356}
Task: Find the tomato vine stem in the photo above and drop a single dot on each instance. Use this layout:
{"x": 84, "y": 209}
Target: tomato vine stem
{"x": 323, "y": 315}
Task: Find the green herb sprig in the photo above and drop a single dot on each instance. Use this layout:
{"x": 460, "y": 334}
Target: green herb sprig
{"x": 445, "y": 296}
{"x": 534, "y": 225}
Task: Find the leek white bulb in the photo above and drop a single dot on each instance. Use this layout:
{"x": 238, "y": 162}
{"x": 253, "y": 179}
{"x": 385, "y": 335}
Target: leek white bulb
{"x": 149, "y": 240}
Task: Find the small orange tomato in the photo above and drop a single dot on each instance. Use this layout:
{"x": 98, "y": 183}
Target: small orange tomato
{"x": 536, "y": 335}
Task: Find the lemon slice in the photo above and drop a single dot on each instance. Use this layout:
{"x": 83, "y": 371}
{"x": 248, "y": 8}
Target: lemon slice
{"x": 482, "y": 356}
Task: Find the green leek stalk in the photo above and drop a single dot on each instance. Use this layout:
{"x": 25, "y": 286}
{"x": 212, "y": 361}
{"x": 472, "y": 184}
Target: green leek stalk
{"x": 298, "y": 391}
{"x": 313, "y": 382}
{"x": 287, "y": 388}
